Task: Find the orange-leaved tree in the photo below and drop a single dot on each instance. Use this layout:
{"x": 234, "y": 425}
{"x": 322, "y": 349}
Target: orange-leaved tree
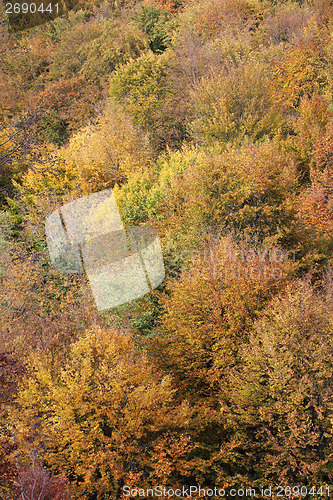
{"x": 105, "y": 417}
{"x": 279, "y": 410}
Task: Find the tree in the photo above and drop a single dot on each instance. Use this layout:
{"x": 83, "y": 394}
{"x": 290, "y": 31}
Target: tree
{"x": 300, "y": 69}
{"x": 158, "y": 24}
{"x": 11, "y": 370}
{"x": 108, "y": 151}
{"x": 190, "y": 192}
{"x": 284, "y": 23}
{"x": 212, "y": 17}
{"x": 58, "y": 113}
{"x": 143, "y": 88}
{"x": 105, "y": 417}
{"x": 41, "y": 309}
{"x": 116, "y": 45}
{"x": 207, "y": 318}
{"x": 279, "y": 408}
{"x": 233, "y": 105}
{"x": 17, "y": 152}
{"x": 311, "y": 124}
{"x": 209, "y": 311}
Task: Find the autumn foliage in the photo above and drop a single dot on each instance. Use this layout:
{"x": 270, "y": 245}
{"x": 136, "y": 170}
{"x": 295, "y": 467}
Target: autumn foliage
{"x": 212, "y": 122}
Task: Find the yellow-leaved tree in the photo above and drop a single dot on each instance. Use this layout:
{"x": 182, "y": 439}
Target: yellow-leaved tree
{"x": 106, "y": 152}
{"x": 104, "y": 416}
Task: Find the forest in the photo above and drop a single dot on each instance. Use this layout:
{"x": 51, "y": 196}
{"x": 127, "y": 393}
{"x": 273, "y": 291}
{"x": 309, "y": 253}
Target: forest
{"x": 212, "y": 122}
